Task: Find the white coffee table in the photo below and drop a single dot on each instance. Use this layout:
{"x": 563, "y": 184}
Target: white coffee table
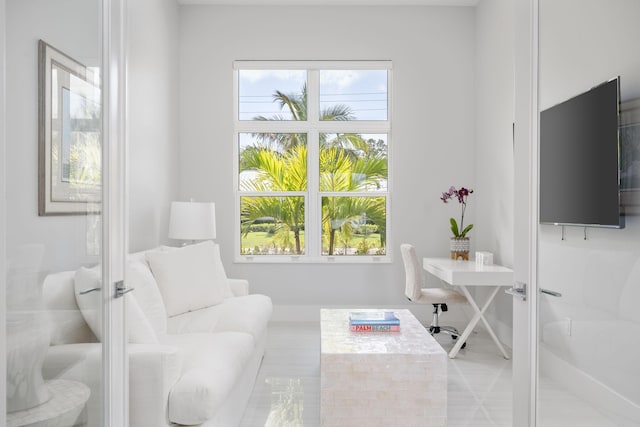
{"x": 380, "y": 378}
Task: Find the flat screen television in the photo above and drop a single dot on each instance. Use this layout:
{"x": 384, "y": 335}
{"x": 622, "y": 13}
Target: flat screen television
{"x": 579, "y": 160}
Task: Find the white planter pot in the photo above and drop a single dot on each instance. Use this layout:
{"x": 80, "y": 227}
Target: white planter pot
{"x": 460, "y": 247}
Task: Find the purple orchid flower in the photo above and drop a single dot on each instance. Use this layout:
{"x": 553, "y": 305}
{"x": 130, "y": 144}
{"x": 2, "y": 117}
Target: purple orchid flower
{"x": 461, "y": 195}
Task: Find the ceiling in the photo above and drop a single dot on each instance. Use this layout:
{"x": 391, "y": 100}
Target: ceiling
{"x": 331, "y": 2}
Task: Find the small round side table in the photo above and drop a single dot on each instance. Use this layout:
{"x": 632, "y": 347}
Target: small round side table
{"x": 62, "y": 410}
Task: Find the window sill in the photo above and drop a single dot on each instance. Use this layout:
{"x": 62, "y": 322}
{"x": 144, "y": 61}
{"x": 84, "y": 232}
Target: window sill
{"x": 292, "y": 259}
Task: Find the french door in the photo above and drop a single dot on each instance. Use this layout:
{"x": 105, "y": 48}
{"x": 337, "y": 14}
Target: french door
{"x": 63, "y": 212}
{"x": 575, "y": 352}
{"x": 525, "y": 211}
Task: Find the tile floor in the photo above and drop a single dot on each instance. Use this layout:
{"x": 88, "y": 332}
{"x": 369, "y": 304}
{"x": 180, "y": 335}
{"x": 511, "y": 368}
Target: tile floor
{"x": 287, "y": 390}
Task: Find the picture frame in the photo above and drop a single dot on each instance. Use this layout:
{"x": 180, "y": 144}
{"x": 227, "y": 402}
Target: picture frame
{"x": 70, "y": 135}
{"x": 630, "y": 157}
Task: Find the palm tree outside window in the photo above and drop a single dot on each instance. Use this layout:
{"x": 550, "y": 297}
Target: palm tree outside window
{"x": 304, "y": 177}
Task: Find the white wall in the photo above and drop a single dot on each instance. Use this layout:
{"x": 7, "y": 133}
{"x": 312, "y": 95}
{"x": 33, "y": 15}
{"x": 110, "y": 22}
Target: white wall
{"x": 432, "y": 49}
{"x": 494, "y": 145}
{"x": 583, "y": 43}
{"x": 494, "y": 131}
{"x": 72, "y": 26}
{"x": 152, "y": 119}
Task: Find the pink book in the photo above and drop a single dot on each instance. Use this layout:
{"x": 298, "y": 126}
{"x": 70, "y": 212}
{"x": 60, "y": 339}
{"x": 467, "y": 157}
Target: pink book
{"x": 375, "y": 328}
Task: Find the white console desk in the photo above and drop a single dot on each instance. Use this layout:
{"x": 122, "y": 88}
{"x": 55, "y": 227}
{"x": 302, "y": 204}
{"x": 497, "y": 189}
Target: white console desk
{"x": 464, "y": 274}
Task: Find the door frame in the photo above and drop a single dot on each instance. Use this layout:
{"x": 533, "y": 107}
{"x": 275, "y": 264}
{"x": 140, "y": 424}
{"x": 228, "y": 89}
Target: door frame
{"x": 115, "y": 366}
{"x": 525, "y": 348}
{"x": 3, "y": 210}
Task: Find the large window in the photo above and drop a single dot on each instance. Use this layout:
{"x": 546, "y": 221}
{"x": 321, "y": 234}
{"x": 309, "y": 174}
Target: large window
{"x": 312, "y": 160}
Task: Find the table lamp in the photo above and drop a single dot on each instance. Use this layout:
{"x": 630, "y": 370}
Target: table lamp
{"x": 192, "y": 221}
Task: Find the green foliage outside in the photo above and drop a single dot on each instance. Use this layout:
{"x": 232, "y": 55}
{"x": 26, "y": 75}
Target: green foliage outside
{"x": 263, "y": 243}
{"x": 351, "y": 225}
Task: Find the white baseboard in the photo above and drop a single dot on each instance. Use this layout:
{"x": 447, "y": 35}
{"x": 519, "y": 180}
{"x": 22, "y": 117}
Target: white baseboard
{"x": 602, "y": 397}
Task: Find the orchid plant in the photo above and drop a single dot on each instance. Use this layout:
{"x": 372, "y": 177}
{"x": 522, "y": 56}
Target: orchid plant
{"x": 461, "y": 195}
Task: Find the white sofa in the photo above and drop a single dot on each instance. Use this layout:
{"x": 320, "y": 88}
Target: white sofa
{"x": 196, "y": 338}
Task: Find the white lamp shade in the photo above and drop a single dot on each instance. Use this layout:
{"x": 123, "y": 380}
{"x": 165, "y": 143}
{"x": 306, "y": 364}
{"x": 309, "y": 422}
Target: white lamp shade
{"x": 192, "y": 221}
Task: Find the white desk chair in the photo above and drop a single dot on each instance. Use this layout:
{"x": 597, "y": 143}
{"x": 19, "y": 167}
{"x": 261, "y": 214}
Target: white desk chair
{"x": 438, "y": 297}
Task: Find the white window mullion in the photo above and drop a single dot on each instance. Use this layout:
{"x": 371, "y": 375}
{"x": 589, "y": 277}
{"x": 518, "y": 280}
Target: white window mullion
{"x": 313, "y": 232}
{"x": 313, "y": 97}
{"x": 236, "y": 186}
{"x": 273, "y": 194}
{"x": 314, "y": 215}
{"x": 291, "y": 126}
{"x": 354, "y": 127}
{"x": 236, "y": 100}
{"x": 236, "y": 168}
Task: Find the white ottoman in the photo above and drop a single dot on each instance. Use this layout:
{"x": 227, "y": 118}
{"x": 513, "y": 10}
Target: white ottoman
{"x": 381, "y": 378}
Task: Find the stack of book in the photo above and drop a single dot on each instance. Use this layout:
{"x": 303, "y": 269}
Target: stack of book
{"x": 374, "y": 321}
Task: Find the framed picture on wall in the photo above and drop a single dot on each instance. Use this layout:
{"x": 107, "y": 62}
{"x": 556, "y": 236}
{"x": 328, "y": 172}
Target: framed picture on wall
{"x": 69, "y": 152}
{"x": 630, "y": 157}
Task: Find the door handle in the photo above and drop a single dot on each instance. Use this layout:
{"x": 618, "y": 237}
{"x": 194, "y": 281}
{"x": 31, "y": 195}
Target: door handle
{"x": 518, "y": 290}
{"x": 552, "y": 293}
{"x": 121, "y": 289}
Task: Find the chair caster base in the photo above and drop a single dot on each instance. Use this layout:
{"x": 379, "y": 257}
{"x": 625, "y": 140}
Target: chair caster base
{"x": 455, "y": 337}
{"x": 447, "y": 330}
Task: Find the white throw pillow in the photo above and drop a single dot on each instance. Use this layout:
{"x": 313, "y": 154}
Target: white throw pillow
{"x": 139, "y": 329}
{"x": 221, "y": 276}
{"x": 139, "y": 277}
{"x": 189, "y": 278}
